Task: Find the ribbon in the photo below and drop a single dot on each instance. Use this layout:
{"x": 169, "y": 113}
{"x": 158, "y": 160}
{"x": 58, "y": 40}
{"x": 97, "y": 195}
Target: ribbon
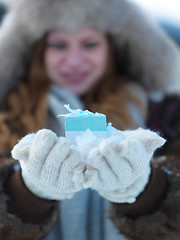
{"x": 78, "y": 112}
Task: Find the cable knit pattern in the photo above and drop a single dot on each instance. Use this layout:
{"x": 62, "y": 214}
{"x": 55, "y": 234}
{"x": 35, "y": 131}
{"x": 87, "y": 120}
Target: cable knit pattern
{"x": 124, "y": 166}
{"x": 49, "y": 164}
{"x": 129, "y": 194}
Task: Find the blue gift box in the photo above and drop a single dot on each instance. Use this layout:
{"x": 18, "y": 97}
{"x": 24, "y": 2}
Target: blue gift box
{"x": 78, "y": 121}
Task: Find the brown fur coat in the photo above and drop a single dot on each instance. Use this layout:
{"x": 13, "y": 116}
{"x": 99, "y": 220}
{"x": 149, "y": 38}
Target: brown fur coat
{"x": 165, "y": 221}
{"x": 151, "y": 59}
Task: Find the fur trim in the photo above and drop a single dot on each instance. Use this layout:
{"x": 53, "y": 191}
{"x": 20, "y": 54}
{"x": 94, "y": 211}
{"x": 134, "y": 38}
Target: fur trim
{"x": 12, "y": 227}
{"x": 164, "y": 222}
{"x": 153, "y": 58}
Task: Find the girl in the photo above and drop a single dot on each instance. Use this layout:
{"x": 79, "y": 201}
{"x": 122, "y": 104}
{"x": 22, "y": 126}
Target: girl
{"x": 96, "y": 56}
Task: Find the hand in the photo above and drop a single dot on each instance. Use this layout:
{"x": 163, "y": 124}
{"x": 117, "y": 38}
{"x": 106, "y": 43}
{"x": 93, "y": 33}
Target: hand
{"x": 121, "y": 164}
{"x": 51, "y": 167}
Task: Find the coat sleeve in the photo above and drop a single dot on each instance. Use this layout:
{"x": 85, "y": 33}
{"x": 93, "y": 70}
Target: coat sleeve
{"x": 22, "y": 215}
{"x": 155, "y": 215}
{"x": 149, "y": 199}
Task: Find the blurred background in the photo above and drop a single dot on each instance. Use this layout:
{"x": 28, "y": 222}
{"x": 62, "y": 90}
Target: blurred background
{"x": 2, "y": 11}
{"x": 166, "y": 12}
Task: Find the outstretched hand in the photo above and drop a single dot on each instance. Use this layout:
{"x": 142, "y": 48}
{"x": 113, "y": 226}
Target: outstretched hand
{"x": 51, "y": 167}
{"x": 54, "y": 169}
{"x": 122, "y": 163}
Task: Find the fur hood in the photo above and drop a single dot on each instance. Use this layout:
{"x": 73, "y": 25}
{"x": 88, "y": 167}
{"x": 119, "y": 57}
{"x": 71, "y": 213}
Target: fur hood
{"x": 153, "y": 58}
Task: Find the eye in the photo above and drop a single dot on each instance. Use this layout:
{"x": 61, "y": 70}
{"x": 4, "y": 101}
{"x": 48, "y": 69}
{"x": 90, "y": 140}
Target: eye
{"x": 58, "y": 46}
{"x": 90, "y": 45}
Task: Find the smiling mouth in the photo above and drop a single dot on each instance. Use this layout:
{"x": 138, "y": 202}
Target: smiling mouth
{"x": 75, "y": 78}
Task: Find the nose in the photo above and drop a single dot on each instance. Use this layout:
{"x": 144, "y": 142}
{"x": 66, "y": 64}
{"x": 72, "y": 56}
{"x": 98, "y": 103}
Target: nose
{"x": 74, "y": 58}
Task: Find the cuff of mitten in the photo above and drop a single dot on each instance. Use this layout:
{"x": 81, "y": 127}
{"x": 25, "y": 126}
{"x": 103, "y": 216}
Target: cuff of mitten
{"x": 24, "y": 203}
{"x": 129, "y": 194}
{"x": 150, "y": 199}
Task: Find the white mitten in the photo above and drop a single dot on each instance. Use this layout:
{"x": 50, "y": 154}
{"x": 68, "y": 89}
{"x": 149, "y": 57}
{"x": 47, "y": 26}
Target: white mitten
{"x": 51, "y": 167}
{"x": 124, "y": 166}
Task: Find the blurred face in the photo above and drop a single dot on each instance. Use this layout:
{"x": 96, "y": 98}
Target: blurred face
{"x": 76, "y": 61}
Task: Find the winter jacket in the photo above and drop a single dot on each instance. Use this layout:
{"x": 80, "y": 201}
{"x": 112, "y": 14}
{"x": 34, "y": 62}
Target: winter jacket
{"x": 152, "y": 60}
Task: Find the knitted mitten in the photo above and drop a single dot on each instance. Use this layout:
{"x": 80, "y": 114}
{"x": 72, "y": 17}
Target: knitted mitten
{"x": 51, "y": 167}
{"x": 124, "y": 166}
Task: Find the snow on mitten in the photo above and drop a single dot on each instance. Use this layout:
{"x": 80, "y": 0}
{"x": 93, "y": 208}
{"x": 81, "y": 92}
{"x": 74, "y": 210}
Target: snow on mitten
{"x": 51, "y": 167}
{"x": 124, "y": 166}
